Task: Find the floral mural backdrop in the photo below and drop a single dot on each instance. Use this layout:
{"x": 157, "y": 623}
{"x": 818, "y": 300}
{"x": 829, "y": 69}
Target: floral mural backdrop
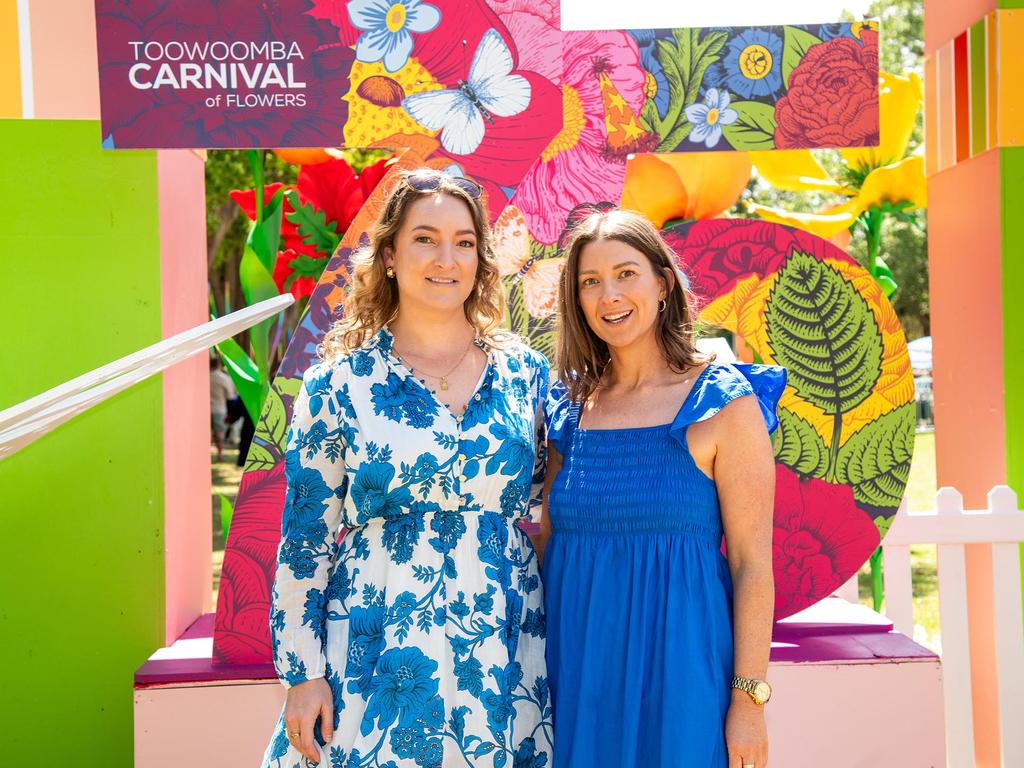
{"x": 551, "y": 123}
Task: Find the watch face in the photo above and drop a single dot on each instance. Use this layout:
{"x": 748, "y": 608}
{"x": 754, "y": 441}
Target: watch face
{"x": 763, "y": 692}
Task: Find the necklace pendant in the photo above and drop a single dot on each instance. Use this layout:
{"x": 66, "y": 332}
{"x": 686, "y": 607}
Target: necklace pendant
{"x": 444, "y": 383}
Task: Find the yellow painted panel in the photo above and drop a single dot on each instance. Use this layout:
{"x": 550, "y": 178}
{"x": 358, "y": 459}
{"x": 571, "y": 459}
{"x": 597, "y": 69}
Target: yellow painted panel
{"x": 1010, "y": 87}
{"x": 10, "y": 66}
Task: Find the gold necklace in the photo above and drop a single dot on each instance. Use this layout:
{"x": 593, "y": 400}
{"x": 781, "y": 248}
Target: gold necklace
{"x": 444, "y": 378}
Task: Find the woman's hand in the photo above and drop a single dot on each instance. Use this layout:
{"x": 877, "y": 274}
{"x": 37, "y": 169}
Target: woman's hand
{"x": 746, "y": 736}
{"x": 306, "y": 702}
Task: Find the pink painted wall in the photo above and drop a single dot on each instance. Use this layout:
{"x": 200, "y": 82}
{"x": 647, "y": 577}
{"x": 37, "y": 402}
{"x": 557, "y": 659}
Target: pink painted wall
{"x": 65, "y": 73}
{"x": 839, "y": 715}
{"x": 186, "y": 405}
{"x": 945, "y": 19}
{"x": 965, "y": 273}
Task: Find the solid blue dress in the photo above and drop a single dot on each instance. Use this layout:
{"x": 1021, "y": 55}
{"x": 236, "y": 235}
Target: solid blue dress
{"x": 638, "y": 595}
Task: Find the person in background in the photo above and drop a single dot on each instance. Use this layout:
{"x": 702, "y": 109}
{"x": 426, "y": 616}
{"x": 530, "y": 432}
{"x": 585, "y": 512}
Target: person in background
{"x": 221, "y": 390}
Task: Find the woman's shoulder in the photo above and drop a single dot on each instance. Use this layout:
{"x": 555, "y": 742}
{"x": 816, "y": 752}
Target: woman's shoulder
{"x": 720, "y": 383}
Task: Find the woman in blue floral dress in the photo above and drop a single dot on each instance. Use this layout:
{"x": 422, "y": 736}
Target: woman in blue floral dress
{"x": 655, "y": 453}
{"x": 417, "y": 639}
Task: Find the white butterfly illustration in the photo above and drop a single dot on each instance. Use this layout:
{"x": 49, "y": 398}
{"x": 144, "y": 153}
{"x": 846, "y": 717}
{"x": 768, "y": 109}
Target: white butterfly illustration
{"x": 459, "y": 113}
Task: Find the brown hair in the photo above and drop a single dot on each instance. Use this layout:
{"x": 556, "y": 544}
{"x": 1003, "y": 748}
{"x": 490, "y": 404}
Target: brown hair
{"x": 582, "y": 357}
{"x": 372, "y": 301}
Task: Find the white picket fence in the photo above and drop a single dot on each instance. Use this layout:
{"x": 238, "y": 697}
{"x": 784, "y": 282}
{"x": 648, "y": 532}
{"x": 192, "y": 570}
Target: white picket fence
{"x": 950, "y": 527}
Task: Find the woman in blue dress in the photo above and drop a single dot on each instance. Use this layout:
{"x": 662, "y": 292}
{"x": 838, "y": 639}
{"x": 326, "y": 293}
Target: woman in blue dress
{"x": 416, "y": 640}
{"x": 657, "y": 643}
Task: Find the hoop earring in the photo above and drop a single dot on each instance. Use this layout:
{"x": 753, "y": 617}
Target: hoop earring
{"x": 662, "y": 305}
{"x": 390, "y": 272}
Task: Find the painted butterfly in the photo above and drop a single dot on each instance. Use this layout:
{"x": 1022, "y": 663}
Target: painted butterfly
{"x": 491, "y": 90}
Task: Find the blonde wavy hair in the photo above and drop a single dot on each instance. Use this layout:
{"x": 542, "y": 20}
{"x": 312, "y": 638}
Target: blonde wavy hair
{"x": 373, "y": 298}
{"x": 582, "y": 356}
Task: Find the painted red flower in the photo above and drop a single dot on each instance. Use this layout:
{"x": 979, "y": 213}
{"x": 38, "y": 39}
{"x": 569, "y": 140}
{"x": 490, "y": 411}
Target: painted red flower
{"x": 832, "y": 100}
{"x": 715, "y": 253}
{"x": 242, "y": 627}
{"x": 820, "y": 540}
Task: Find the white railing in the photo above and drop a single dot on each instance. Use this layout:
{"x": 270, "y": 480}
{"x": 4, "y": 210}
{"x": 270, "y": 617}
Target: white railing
{"x": 27, "y": 421}
{"x": 950, "y": 527}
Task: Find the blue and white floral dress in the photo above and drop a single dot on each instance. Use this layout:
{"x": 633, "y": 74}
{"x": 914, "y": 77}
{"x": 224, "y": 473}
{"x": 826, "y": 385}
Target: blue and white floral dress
{"x": 426, "y": 618}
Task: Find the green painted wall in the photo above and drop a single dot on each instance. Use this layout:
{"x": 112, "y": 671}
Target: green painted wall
{"x": 81, "y": 510}
{"x": 1011, "y": 171}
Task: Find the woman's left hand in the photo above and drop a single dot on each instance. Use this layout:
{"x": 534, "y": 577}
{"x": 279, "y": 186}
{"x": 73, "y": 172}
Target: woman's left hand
{"x": 746, "y": 736}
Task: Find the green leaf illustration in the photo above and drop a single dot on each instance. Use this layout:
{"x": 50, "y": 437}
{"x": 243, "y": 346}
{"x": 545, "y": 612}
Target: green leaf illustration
{"x": 822, "y": 330}
{"x": 794, "y": 47}
{"x": 312, "y": 225}
{"x": 226, "y": 511}
{"x": 755, "y": 128}
{"x": 264, "y": 236}
{"x": 684, "y": 60}
{"x": 799, "y": 446}
{"x": 268, "y": 443}
{"x": 875, "y": 461}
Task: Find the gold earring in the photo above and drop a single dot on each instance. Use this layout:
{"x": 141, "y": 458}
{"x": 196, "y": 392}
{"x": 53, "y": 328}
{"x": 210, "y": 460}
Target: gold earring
{"x": 662, "y": 305}
{"x": 390, "y": 272}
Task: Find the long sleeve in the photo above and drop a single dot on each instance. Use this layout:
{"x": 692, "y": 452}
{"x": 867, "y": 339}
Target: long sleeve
{"x": 317, "y": 482}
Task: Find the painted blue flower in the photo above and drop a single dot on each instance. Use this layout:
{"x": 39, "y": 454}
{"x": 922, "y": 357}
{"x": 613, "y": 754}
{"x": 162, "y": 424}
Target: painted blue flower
{"x": 365, "y": 642}
{"x": 526, "y": 756}
{"x": 403, "y": 397}
{"x": 647, "y": 43}
{"x": 386, "y": 29}
{"x": 404, "y": 604}
{"x": 500, "y": 704}
{"x": 709, "y": 117}
{"x": 751, "y": 65}
{"x": 402, "y": 685}
{"x": 432, "y": 716}
{"x": 401, "y": 534}
{"x": 430, "y": 754}
{"x": 406, "y": 741}
{"x": 304, "y": 502}
{"x": 316, "y": 612}
{"x": 362, "y": 362}
{"x": 483, "y": 602}
{"x": 300, "y": 559}
{"x": 370, "y": 492}
{"x": 449, "y": 525}
{"x": 279, "y": 746}
{"x": 839, "y": 29}
{"x": 509, "y": 626}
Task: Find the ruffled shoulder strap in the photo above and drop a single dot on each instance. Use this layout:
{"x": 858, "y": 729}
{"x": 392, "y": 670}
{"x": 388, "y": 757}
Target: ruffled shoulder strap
{"x": 562, "y": 415}
{"x": 720, "y": 384}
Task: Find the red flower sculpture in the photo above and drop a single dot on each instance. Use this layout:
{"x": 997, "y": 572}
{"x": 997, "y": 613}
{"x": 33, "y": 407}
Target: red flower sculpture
{"x": 242, "y": 624}
{"x": 833, "y": 96}
{"x": 821, "y": 539}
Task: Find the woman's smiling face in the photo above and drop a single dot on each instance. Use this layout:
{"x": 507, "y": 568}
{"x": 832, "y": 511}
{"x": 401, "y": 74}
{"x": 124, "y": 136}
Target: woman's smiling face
{"x": 434, "y": 255}
{"x": 619, "y": 292}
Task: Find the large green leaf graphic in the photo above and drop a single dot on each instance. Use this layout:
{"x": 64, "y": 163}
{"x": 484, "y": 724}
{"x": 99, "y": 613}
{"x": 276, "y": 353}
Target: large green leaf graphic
{"x": 271, "y": 434}
{"x": 754, "y": 129}
{"x": 799, "y": 446}
{"x": 684, "y": 60}
{"x": 824, "y": 332}
{"x": 794, "y": 48}
{"x": 875, "y": 461}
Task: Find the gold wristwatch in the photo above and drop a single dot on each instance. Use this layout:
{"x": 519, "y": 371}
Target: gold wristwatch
{"x": 758, "y": 690}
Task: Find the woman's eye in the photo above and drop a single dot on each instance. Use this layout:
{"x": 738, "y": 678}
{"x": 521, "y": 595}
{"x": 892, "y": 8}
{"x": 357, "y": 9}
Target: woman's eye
{"x": 467, "y": 244}
{"x": 588, "y": 281}
{"x": 422, "y": 239}
{"x": 627, "y": 273}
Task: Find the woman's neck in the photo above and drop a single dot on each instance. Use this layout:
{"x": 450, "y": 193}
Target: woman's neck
{"x": 431, "y": 334}
{"x": 639, "y": 365}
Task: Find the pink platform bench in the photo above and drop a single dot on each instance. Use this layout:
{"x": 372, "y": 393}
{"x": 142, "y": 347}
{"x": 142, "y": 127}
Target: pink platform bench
{"x": 849, "y": 691}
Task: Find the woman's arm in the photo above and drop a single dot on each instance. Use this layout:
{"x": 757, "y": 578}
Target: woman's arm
{"x": 315, "y": 471}
{"x": 745, "y": 476}
{"x": 540, "y": 540}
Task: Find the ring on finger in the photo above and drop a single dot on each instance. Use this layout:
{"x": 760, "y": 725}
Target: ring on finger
{"x": 295, "y": 735}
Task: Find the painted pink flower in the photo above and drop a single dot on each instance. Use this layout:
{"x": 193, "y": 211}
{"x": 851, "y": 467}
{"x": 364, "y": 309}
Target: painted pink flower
{"x": 576, "y": 167}
{"x": 821, "y": 539}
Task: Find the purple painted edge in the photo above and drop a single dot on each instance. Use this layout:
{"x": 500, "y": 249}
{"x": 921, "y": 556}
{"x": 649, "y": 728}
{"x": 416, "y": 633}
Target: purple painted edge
{"x": 856, "y": 635}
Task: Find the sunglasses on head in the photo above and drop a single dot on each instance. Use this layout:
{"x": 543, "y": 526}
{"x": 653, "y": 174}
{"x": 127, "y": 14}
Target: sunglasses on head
{"x": 431, "y": 182}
